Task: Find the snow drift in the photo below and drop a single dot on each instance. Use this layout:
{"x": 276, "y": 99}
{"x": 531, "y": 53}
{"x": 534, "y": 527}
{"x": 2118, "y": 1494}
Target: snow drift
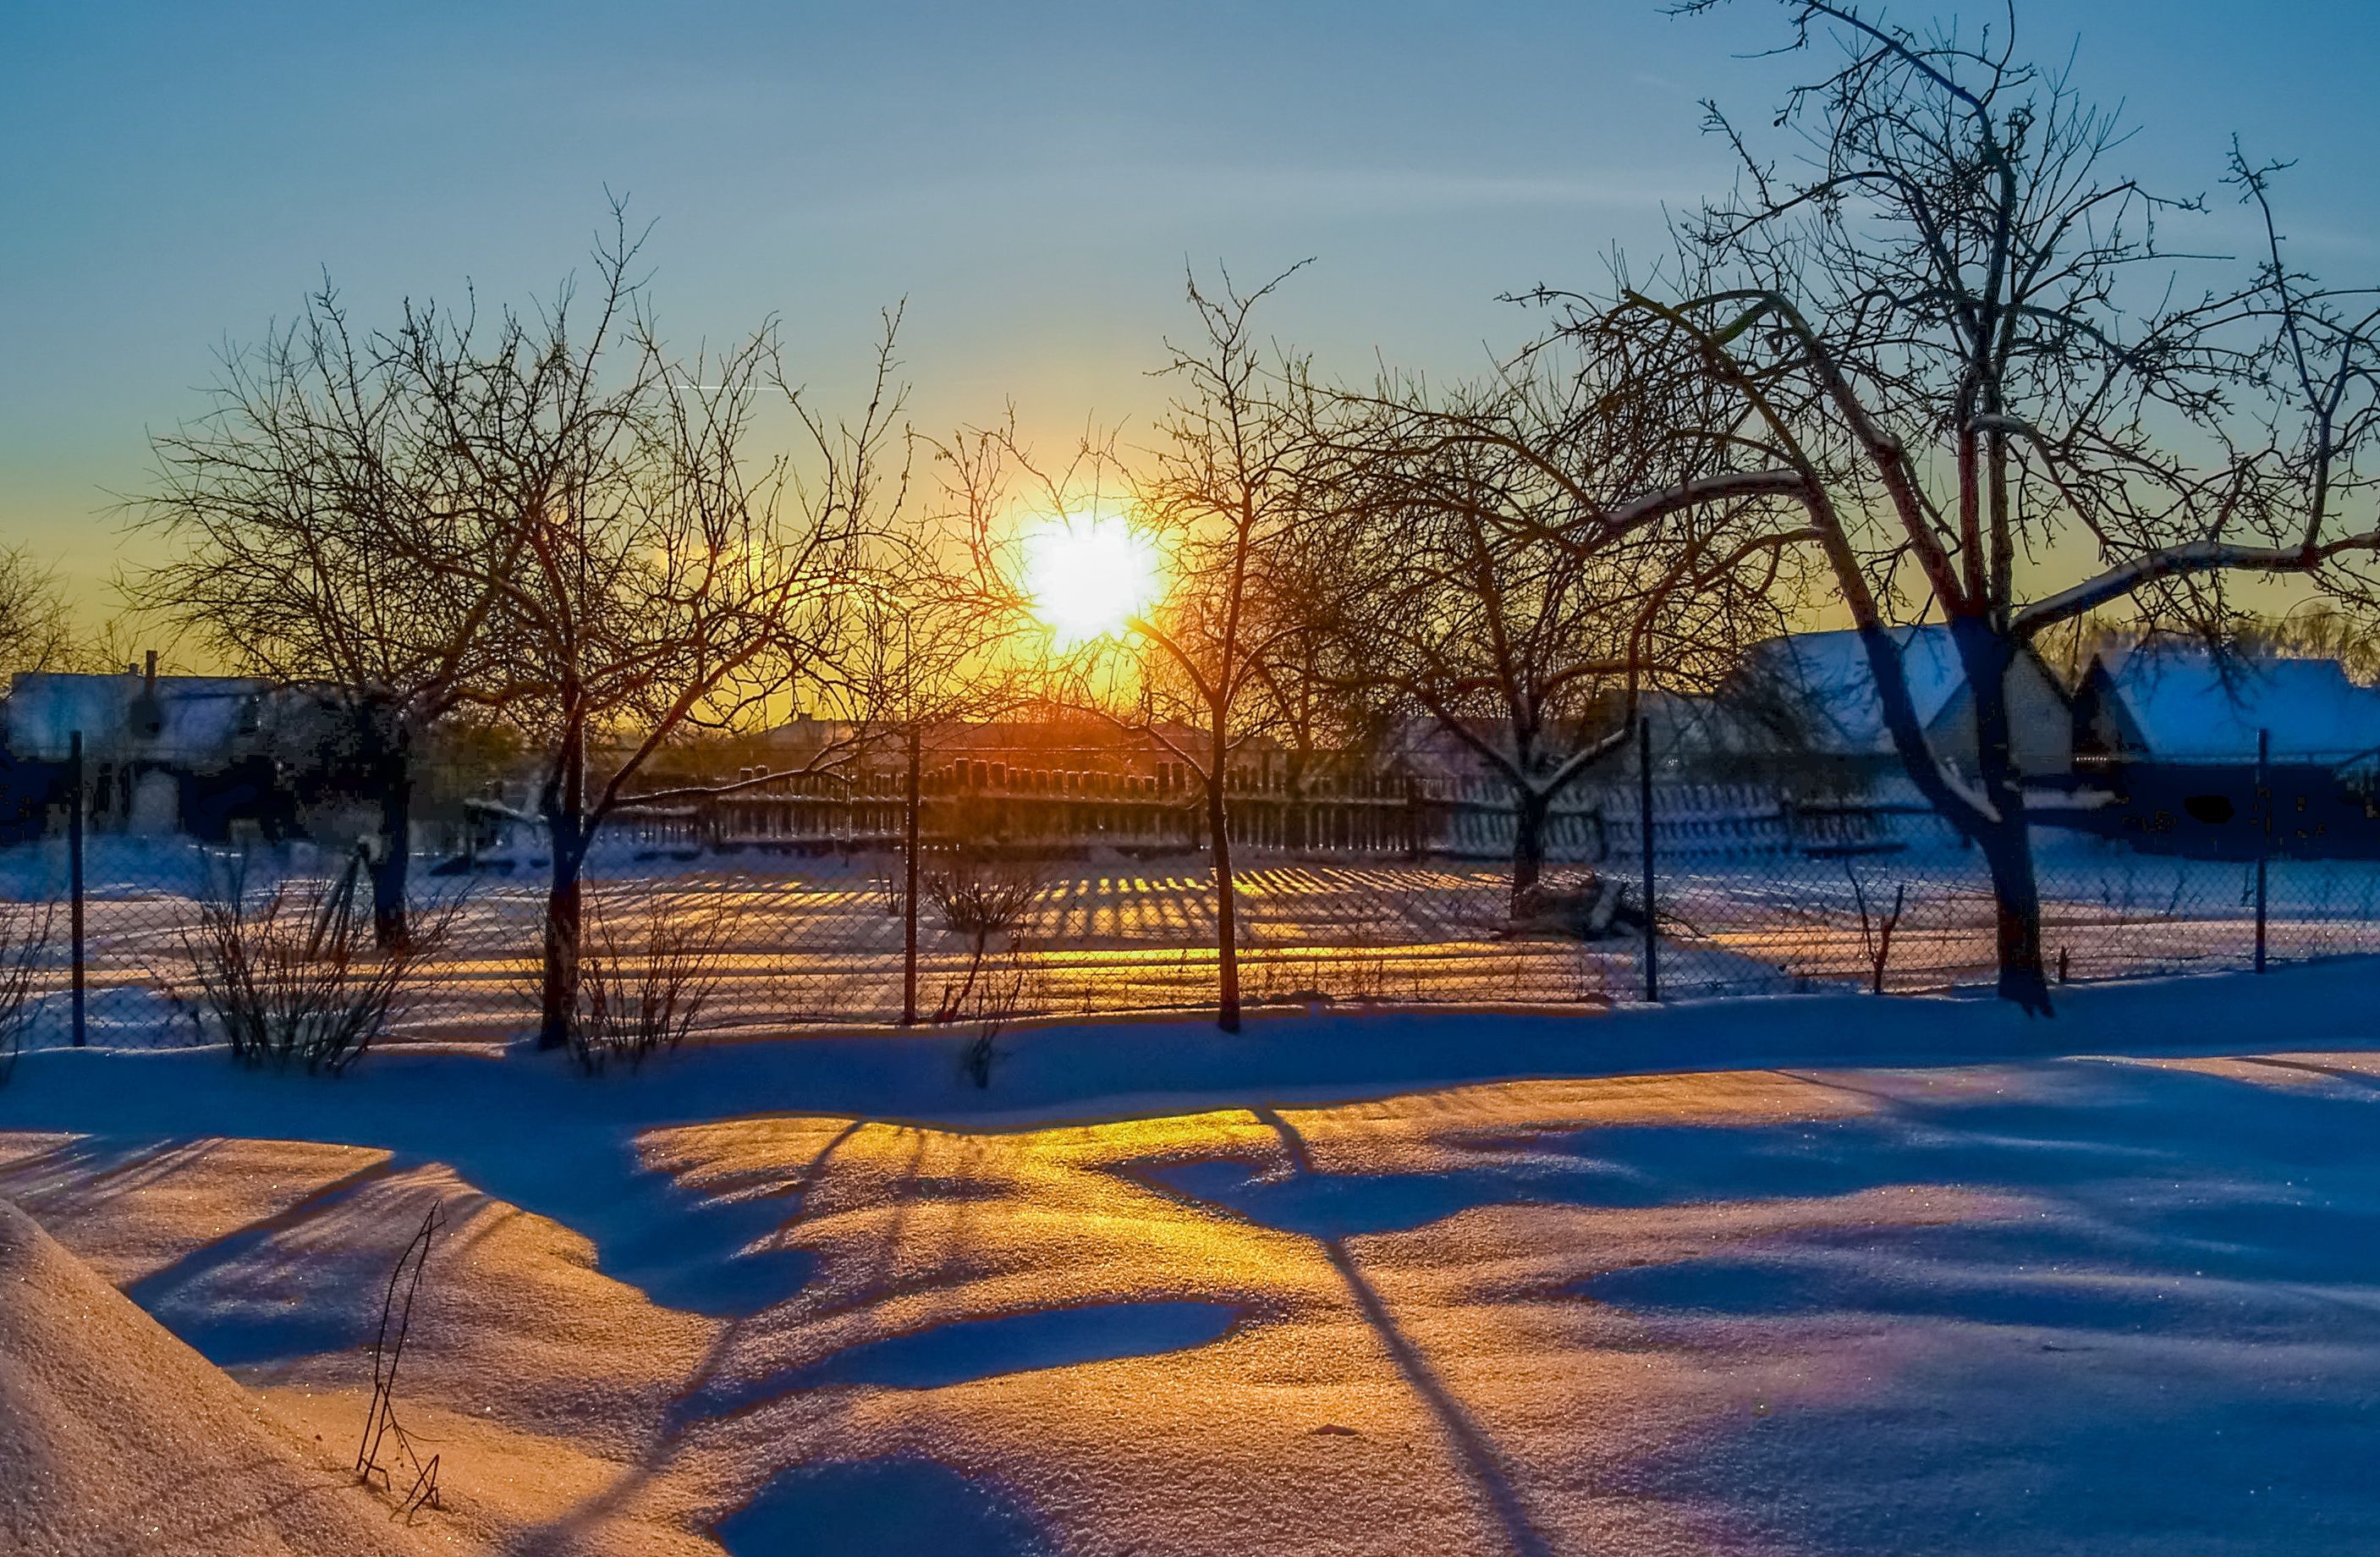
{"x": 116, "y": 1438}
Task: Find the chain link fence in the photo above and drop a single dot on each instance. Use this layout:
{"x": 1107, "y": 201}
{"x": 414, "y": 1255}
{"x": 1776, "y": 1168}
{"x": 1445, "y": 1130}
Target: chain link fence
{"x": 1752, "y": 894}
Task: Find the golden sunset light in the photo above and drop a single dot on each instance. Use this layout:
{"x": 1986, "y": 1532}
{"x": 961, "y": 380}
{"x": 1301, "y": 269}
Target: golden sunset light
{"x": 1088, "y": 574}
{"x": 1005, "y": 824}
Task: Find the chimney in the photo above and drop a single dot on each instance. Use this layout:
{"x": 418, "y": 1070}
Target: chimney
{"x": 151, "y": 674}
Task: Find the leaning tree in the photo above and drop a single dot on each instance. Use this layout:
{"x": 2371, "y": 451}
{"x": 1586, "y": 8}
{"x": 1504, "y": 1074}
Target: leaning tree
{"x": 1953, "y": 330}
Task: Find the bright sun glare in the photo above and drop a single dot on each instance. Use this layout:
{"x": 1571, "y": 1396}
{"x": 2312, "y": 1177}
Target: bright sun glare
{"x": 1089, "y": 574}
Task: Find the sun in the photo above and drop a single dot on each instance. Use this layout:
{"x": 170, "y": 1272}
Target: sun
{"x": 1088, "y": 574}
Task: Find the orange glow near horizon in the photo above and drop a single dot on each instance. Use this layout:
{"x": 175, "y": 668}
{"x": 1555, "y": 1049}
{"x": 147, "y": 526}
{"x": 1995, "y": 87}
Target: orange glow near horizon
{"x": 1088, "y": 574}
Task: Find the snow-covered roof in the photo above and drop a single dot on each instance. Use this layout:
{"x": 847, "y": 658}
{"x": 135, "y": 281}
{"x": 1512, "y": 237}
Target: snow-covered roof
{"x": 2188, "y": 703}
{"x": 1830, "y": 671}
{"x": 198, "y": 719}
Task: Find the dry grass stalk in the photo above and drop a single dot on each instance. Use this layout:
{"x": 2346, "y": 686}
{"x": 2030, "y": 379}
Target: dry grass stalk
{"x": 381, "y": 1426}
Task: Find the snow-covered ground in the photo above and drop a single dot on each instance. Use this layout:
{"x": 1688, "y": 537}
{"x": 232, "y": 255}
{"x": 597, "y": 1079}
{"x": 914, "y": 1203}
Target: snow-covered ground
{"x": 1807, "y": 1274}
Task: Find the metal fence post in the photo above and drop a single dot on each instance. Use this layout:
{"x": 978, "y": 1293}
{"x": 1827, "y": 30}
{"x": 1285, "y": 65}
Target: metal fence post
{"x": 74, "y": 872}
{"x": 913, "y": 803}
{"x": 1644, "y": 836}
{"x": 2265, "y": 832}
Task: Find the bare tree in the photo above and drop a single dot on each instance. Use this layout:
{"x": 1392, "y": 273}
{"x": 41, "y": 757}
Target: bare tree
{"x": 1954, "y": 328}
{"x": 1492, "y": 572}
{"x": 36, "y": 627}
{"x": 1224, "y": 496}
{"x": 923, "y": 647}
{"x": 1228, "y": 496}
{"x": 319, "y": 531}
{"x": 1221, "y": 500}
{"x": 669, "y": 582}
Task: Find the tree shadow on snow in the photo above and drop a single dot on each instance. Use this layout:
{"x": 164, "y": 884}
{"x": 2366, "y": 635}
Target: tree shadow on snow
{"x": 875, "y": 1507}
{"x": 2180, "y": 1351}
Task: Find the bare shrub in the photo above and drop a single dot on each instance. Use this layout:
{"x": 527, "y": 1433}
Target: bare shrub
{"x": 962, "y": 997}
{"x": 1363, "y": 978}
{"x": 642, "y": 993}
{"x": 24, "y": 940}
{"x": 980, "y": 899}
{"x": 1321, "y": 976}
{"x": 1876, "y": 932}
{"x": 985, "y": 902}
{"x": 294, "y": 976}
{"x": 988, "y": 999}
{"x": 1588, "y": 971}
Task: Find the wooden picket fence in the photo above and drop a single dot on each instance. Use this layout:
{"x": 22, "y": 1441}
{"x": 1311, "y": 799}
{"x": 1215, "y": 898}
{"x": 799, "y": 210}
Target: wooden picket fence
{"x": 1007, "y": 808}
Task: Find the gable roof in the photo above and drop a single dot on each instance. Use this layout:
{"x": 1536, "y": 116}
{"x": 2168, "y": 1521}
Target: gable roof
{"x": 198, "y": 719}
{"x": 2188, "y": 703}
{"x": 1829, "y": 672}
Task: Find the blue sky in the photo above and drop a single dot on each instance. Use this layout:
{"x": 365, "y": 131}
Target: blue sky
{"x": 1031, "y": 178}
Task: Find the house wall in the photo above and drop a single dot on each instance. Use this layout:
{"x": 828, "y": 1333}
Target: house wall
{"x": 2219, "y": 811}
{"x": 2040, "y": 724}
{"x": 2104, "y": 727}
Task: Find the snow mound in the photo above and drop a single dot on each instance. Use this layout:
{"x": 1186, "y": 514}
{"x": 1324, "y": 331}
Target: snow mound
{"x": 116, "y": 1438}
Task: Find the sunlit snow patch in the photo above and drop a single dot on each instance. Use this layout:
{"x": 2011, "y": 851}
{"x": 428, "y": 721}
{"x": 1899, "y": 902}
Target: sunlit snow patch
{"x": 967, "y": 1350}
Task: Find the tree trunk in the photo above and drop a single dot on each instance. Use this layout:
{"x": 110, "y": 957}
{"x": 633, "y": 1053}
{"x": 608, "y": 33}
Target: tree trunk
{"x": 391, "y": 867}
{"x": 1529, "y": 811}
{"x": 565, "y": 805}
{"x": 2006, "y": 836}
{"x": 2017, "y": 899}
{"x": 1227, "y": 928}
{"x": 564, "y": 918}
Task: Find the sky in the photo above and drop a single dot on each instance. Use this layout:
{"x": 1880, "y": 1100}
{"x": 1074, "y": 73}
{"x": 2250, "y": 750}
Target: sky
{"x": 1031, "y": 179}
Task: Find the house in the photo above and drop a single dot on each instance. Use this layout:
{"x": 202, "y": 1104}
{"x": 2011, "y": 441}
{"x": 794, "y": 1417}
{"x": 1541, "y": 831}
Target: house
{"x": 160, "y": 753}
{"x": 2223, "y": 755}
{"x": 1811, "y": 700}
{"x": 2185, "y": 703}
